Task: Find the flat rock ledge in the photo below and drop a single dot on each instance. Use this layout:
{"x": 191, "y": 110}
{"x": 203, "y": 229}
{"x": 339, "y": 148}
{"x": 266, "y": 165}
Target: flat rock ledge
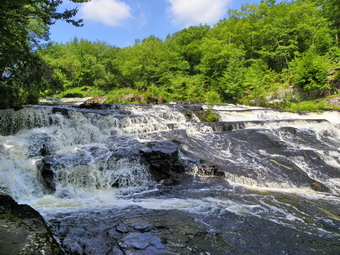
{"x": 24, "y": 231}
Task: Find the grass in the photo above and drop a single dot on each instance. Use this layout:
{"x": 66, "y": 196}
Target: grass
{"x": 311, "y": 105}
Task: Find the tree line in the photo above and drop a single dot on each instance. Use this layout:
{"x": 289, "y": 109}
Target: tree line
{"x": 256, "y": 51}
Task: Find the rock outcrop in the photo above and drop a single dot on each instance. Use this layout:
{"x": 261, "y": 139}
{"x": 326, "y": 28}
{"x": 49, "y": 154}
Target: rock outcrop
{"x": 96, "y": 100}
{"x": 163, "y": 160}
{"x": 24, "y": 231}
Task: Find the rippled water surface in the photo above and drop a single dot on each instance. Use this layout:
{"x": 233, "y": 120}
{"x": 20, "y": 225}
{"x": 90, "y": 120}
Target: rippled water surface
{"x": 259, "y": 181}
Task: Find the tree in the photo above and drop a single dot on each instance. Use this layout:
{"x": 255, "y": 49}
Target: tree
{"x": 310, "y": 71}
{"x": 233, "y": 79}
{"x": 149, "y": 62}
{"x": 23, "y": 24}
{"x": 331, "y": 10}
{"x": 82, "y": 63}
{"x": 187, "y": 43}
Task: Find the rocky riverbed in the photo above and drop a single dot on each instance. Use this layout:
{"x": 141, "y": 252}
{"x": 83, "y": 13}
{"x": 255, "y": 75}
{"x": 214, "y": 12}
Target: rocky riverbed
{"x": 141, "y": 179}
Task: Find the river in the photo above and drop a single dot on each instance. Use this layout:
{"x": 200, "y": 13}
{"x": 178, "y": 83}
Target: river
{"x": 154, "y": 179}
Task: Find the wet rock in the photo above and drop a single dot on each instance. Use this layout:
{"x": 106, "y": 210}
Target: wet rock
{"x": 208, "y": 170}
{"x": 142, "y": 231}
{"x": 40, "y": 144}
{"x": 182, "y": 232}
{"x": 333, "y": 100}
{"x": 49, "y": 166}
{"x": 98, "y": 106}
{"x": 61, "y": 110}
{"x": 163, "y": 160}
{"x": 224, "y": 126}
{"x": 141, "y": 241}
{"x": 24, "y": 231}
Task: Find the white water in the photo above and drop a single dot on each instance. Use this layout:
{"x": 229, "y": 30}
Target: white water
{"x": 90, "y": 185}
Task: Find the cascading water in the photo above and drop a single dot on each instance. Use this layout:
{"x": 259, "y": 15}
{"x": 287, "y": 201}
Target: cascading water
{"x": 139, "y": 179}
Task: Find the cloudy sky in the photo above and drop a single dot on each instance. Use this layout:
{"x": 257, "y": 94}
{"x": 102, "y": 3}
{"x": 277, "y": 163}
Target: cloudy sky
{"x": 121, "y": 22}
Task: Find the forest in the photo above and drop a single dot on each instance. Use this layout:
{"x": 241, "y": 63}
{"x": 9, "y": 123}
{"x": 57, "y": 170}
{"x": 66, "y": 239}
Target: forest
{"x": 284, "y": 54}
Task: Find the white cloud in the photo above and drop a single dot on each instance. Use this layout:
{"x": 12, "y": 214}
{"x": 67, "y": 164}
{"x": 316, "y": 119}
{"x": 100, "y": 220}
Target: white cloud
{"x": 108, "y": 12}
{"x": 195, "y": 12}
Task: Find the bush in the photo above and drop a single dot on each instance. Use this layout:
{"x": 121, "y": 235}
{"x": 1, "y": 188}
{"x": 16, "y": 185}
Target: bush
{"x": 212, "y": 97}
{"x": 9, "y": 96}
{"x": 84, "y": 91}
{"x": 186, "y": 87}
{"x": 310, "y": 71}
{"x": 208, "y": 115}
{"x": 124, "y": 95}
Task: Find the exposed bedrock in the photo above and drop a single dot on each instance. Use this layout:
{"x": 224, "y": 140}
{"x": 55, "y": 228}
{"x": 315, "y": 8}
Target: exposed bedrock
{"x": 163, "y": 160}
{"x": 24, "y": 231}
{"x": 136, "y": 230}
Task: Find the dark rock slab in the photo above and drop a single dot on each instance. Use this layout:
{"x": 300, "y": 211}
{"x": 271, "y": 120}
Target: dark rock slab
{"x": 98, "y": 106}
{"x": 50, "y": 165}
{"x": 24, "y": 231}
{"x": 135, "y": 230}
{"x": 163, "y": 160}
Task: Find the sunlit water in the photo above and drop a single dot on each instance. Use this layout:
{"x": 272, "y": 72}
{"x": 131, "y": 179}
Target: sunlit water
{"x": 257, "y": 180}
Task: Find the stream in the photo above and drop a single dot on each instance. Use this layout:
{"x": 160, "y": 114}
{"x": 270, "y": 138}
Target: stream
{"x": 155, "y": 179}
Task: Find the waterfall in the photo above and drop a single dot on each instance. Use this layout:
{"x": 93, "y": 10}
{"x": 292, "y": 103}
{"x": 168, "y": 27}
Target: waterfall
{"x": 66, "y": 159}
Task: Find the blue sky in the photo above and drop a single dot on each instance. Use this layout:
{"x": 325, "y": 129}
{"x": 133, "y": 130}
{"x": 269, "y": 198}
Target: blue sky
{"x": 121, "y": 22}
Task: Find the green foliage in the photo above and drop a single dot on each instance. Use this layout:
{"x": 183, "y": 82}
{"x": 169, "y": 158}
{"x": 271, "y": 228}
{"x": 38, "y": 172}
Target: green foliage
{"x": 187, "y": 43}
{"x": 85, "y": 91}
{"x": 208, "y": 115}
{"x": 82, "y": 63}
{"x": 9, "y": 216}
{"x": 23, "y": 23}
{"x": 314, "y": 105}
{"x": 24, "y": 84}
{"x": 157, "y": 92}
{"x": 212, "y": 97}
{"x": 233, "y": 79}
{"x": 186, "y": 88}
{"x": 217, "y": 56}
{"x": 259, "y": 80}
{"x": 310, "y": 71}
{"x": 124, "y": 95}
{"x": 149, "y": 62}
{"x": 256, "y": 51}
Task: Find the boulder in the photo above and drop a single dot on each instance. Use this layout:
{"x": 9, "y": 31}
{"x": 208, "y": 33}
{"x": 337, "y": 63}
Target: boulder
{"x": 96, "y": 100}
{"x": 49, "y": 166}
{"x": 97, "y": 106}
{"x": 333, "y": 100}
{"x": 128, "y": 98}
{"x": 163, "y": 160}
{"x": 24, "y": 231}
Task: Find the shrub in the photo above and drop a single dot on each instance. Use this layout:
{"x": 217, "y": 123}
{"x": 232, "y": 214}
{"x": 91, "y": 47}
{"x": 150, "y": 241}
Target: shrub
{"x": 124, "y": 95}
{"x": 212, "y": 97}
{"x": 310, "y": 71}
{"x": 208, "y": 115}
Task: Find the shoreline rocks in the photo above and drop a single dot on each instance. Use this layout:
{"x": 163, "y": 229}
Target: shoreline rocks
{"x": 24, "y": 231}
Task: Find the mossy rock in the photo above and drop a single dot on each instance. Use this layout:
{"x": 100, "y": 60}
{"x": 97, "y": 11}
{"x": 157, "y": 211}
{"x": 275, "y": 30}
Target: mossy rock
{"x": 208, "y": 116}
